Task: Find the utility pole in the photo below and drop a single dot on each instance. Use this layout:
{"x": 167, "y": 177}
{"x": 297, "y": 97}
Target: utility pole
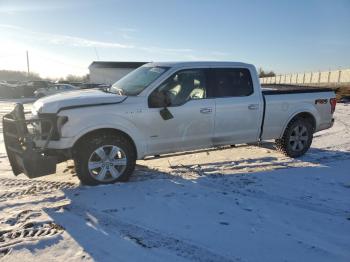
{"x": 27, "y": 63}
{"x": 97, "y": 56}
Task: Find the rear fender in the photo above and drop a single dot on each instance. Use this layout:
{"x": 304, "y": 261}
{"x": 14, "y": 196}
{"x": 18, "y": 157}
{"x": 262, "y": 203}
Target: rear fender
{"x": 306, "y": 109}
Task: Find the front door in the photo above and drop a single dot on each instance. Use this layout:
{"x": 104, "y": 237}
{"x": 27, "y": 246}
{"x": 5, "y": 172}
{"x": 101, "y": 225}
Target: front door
{"x": 191, "y": 122}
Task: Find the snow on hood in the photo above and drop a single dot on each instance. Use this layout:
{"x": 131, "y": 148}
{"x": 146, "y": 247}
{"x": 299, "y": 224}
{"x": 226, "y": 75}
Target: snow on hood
{"x": 53, "y": 103}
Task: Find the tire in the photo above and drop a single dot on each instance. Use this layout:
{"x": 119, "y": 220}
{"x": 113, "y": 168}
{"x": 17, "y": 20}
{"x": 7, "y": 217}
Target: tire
{"x": 92, "y": 169}
{"x": 297, "y": 138}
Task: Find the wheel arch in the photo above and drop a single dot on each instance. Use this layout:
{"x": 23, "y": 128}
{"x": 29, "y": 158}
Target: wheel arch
{"x": 101, "y": 131}
{"x": 304, "y": 115}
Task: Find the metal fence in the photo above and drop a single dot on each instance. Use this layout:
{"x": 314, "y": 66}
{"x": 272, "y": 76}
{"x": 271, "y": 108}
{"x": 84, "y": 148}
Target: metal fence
{"x": 335, "y": 77}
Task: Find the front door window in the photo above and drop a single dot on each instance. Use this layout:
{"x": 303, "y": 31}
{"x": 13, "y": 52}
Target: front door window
{"x": 181, "y": 87}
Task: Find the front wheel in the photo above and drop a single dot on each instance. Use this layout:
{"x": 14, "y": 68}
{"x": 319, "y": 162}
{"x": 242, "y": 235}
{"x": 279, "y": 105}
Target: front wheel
{"x": 297, "y": 138}
{"x": 105, "y": 159}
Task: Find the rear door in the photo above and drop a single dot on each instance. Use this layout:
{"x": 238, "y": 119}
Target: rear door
{"x": 238, "y": 112}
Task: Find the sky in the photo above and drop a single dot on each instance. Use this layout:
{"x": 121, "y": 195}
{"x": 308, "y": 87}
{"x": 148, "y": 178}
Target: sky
{"x": 64, "y": 36}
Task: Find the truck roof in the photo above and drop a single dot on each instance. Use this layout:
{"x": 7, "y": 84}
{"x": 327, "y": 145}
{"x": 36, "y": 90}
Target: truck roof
{"x": 200, "y": 64}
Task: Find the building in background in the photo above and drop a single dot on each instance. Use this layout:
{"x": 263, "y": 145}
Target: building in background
{"x": 103, "y": 72}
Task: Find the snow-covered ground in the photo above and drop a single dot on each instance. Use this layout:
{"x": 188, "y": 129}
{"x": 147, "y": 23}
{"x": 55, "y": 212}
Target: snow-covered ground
{"x": 232, "y": 204}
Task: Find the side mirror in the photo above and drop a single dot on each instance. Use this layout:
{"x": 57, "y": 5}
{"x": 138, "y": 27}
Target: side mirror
{"x": 166, "y": 114}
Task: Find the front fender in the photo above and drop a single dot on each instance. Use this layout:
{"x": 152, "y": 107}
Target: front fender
{"x": 79, "y": 125}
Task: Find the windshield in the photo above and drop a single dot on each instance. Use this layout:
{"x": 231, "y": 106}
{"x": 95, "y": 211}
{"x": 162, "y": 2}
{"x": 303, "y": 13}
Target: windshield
{"x": 135, "y": 82}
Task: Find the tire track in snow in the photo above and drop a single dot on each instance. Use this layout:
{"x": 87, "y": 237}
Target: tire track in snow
{"x": 315, "y": 156}
{"x": 317, "y": 207}
{"x": 235, "y": 187}
{"x": 35, "y": 187}
{"x": 23, "y": 228}
{"x": 148, "y": 238}
{"x": 24, "y": 182}
{"x": 33, "y": 232}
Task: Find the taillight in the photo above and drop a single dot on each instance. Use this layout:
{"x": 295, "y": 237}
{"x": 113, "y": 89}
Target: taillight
{"x": 333, "y": 103}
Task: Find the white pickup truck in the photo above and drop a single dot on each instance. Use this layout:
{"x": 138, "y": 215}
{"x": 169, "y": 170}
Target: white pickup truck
{"x": 162, "y": 108}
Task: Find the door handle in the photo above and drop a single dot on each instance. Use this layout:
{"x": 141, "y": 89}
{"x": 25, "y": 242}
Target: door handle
{"x": 253, "y": 107}
{"x": 206, "y": 110}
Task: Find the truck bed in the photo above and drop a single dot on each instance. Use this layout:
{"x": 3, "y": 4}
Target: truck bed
{"x": 291, "y": 89}
{"x": 283, "y": 101}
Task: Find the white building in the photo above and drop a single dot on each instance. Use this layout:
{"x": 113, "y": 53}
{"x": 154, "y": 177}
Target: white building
{"x": 102, "y": 72}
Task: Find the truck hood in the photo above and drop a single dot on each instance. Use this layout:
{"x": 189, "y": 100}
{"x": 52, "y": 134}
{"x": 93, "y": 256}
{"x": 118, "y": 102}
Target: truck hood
{"x": 73, "y": 99}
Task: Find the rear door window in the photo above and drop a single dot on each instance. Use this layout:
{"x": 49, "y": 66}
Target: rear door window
{"x": 231, "y": 82}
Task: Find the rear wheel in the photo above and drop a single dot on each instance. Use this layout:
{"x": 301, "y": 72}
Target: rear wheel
{"x": 105, "y": 159}
{"x": 296, "y": 139}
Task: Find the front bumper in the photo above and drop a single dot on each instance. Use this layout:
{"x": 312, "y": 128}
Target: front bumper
{"x": 22, "y": 153}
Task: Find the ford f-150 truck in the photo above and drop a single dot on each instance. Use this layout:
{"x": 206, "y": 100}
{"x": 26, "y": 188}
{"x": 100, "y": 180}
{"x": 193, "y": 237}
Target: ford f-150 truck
{"x": 161, "y": 108}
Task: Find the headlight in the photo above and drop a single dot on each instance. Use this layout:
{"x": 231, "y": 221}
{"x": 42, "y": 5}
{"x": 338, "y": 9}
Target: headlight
{"x": 37, "y": 108}
{"x": 56, "y": 121}
{"x": 44, "y": 124}
{"x": 35, "y": 129}
{"x": 34, "y": 113}
{"x": 61, "y": 120}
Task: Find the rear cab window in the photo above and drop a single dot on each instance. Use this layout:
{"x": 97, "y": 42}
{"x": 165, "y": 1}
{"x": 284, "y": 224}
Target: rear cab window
{"x": 231, "y": 82}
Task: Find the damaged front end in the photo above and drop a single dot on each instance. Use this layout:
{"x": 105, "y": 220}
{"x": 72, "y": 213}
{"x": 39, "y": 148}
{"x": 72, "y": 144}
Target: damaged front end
{"x": 19, "y": 135}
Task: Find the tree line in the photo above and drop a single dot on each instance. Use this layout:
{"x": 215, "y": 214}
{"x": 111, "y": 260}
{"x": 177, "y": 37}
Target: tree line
{"x": 263, "y": 73}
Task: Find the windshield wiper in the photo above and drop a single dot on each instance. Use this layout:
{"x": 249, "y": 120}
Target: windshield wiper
{"x": 119, "y": 91}
{"x": 107, "y": 90}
